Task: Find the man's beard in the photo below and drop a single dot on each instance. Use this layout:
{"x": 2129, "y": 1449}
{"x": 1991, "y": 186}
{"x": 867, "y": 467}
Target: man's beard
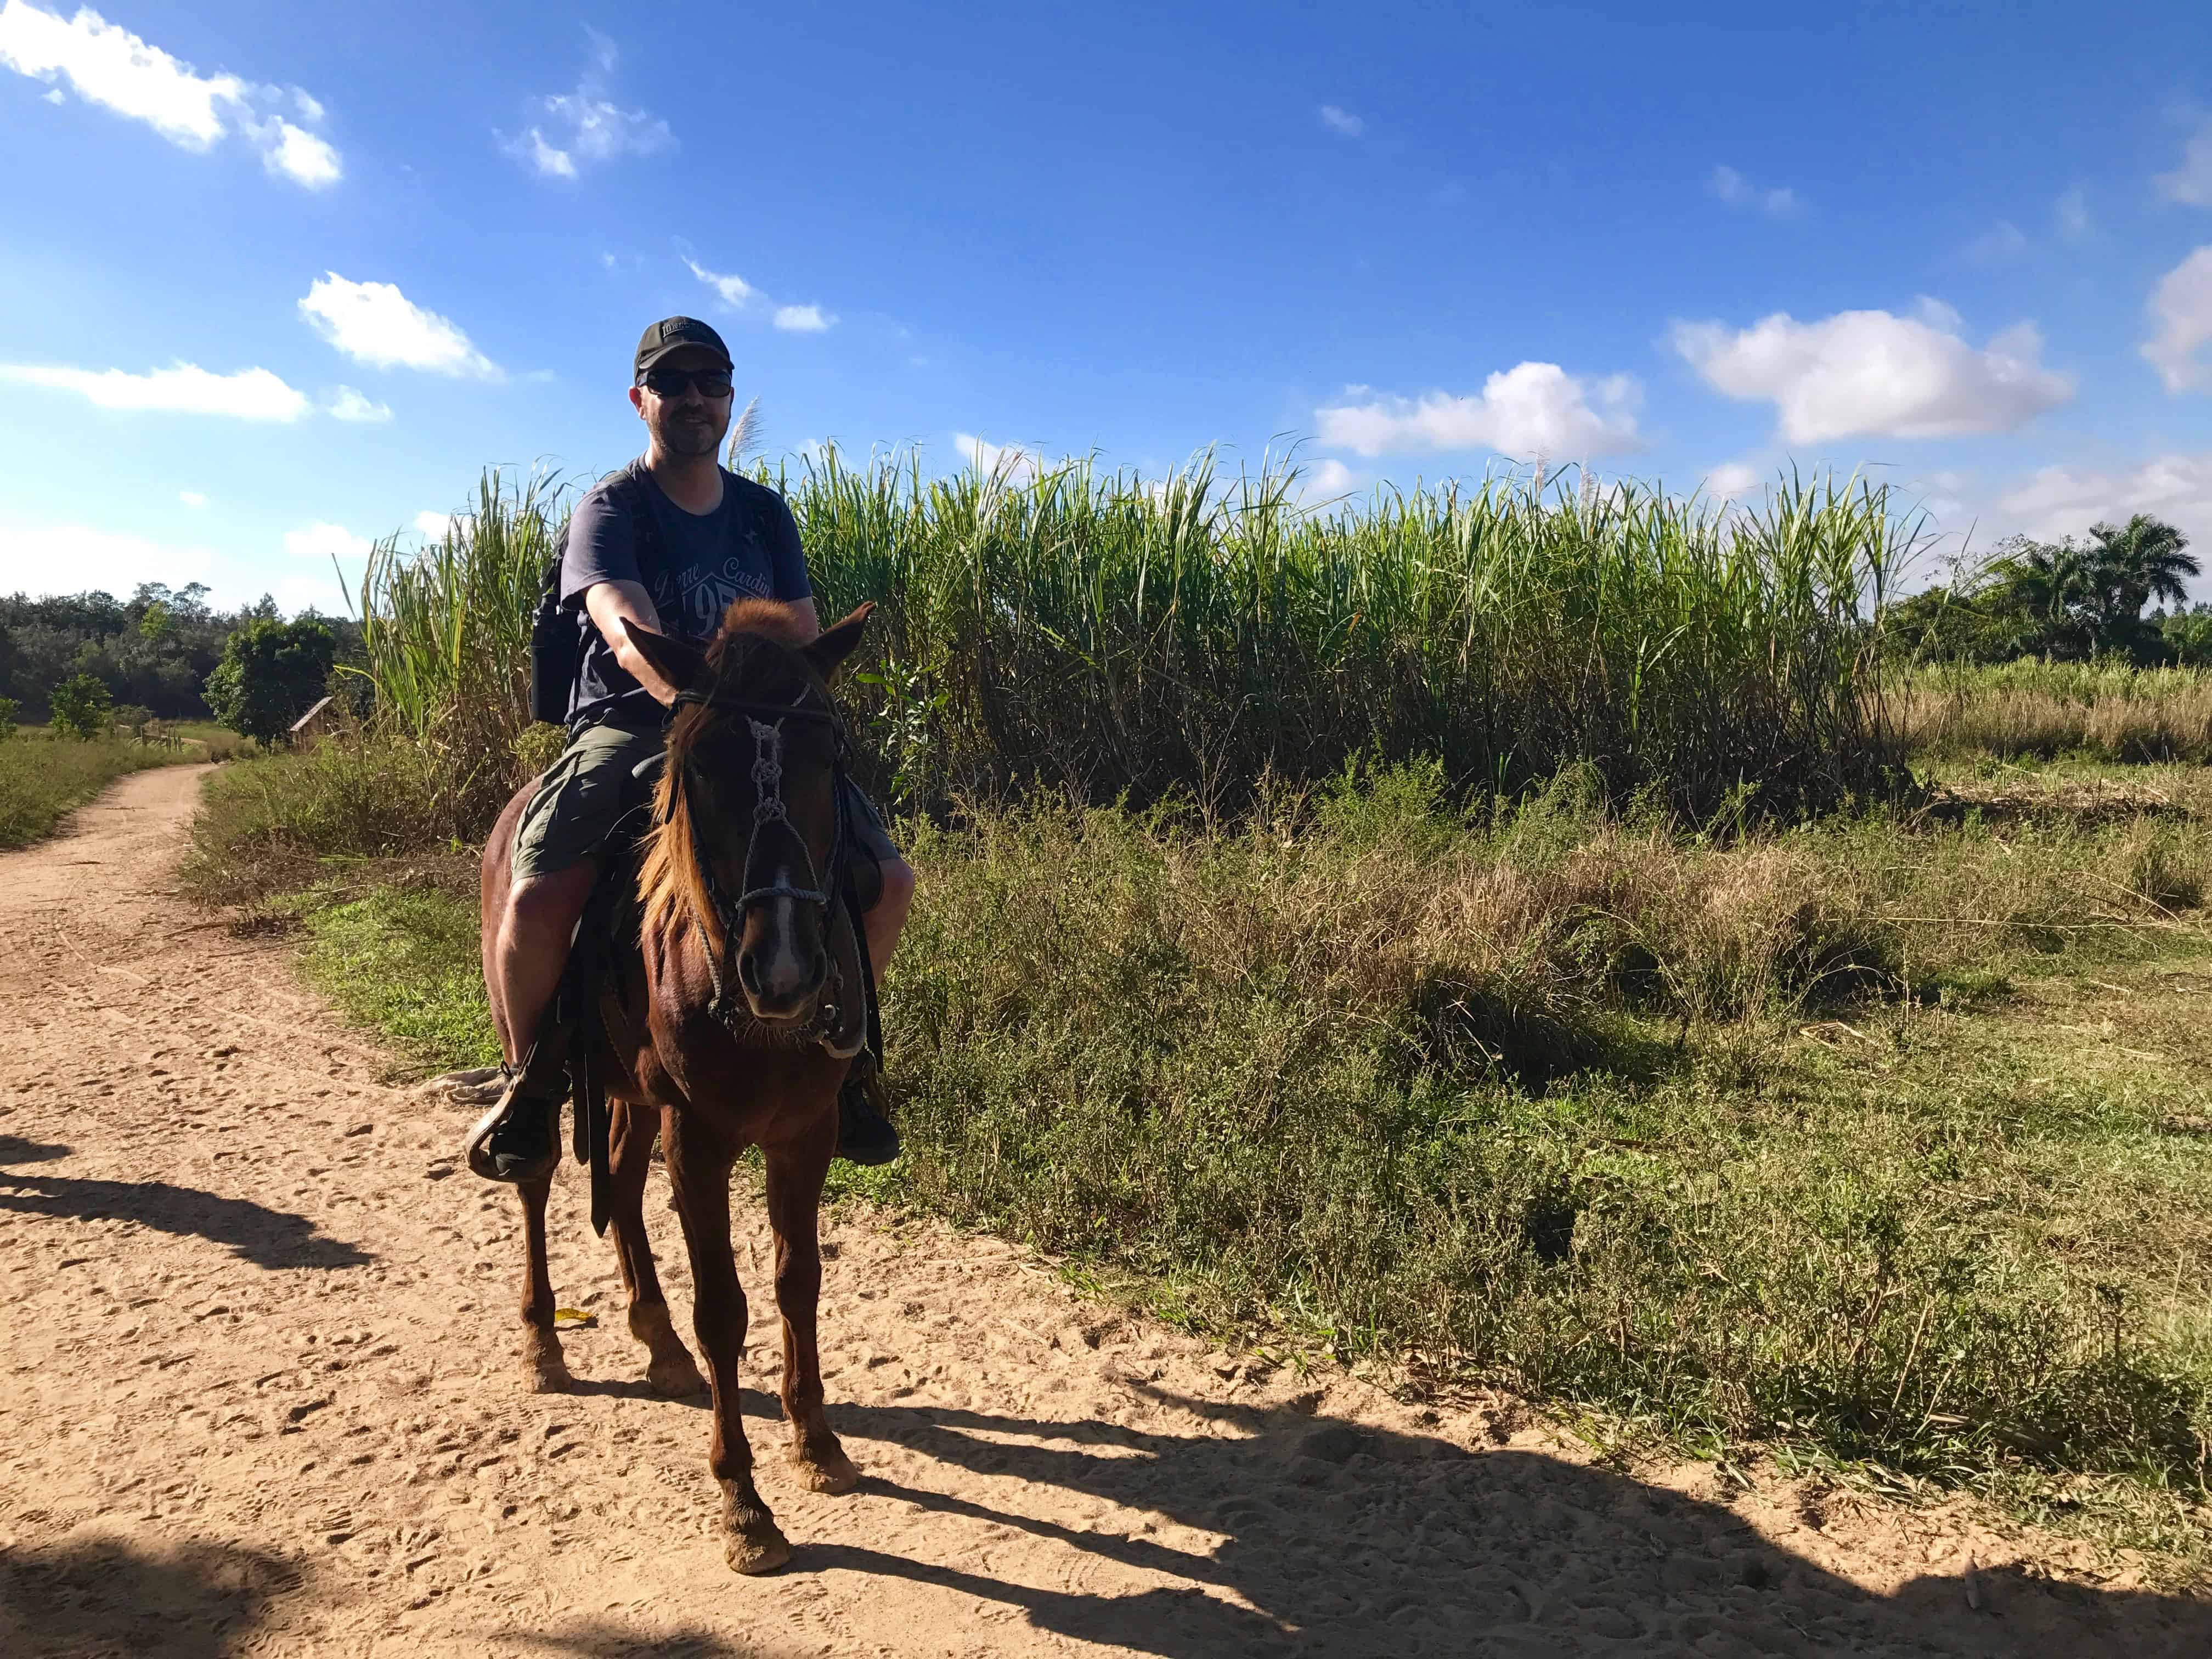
{"x": 680, "y": 436}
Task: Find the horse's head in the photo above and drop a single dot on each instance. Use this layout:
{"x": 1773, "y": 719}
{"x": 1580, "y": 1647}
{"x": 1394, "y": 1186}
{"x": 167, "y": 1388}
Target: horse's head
{"x": 746, "y": 816}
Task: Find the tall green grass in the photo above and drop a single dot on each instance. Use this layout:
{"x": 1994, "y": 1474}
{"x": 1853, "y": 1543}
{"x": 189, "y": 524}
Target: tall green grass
{"x": 43, "y": 779}
{"x": 445, "y": 639}
{"x": 1111, "y": 635}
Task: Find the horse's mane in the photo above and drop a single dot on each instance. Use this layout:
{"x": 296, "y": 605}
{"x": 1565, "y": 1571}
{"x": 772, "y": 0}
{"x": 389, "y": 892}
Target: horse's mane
{"x": 670, "y": 883}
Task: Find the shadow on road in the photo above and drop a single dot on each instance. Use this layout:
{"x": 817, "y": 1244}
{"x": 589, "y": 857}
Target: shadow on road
{"x": 1340, "y": 1539}
{"x": 266, "y": 1238}
{"x": 104, "y": 1596}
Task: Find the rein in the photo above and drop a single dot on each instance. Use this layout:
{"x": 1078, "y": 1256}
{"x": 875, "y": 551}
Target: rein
{"x": 769, "y": 814}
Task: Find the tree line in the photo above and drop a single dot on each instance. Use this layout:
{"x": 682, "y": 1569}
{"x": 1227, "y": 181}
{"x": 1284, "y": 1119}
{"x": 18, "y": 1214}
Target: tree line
{"x": 2065, "y": 600}
{"x": 88, "y": 662}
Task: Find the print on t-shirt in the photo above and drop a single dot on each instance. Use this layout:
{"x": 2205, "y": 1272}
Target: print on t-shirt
{"x": 706, "y": 595}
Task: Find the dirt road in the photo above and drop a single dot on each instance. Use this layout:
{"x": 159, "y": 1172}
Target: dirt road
{"x": 259, "y": 1395}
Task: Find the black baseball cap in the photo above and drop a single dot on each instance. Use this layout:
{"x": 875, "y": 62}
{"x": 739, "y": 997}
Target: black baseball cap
{"x": 673, "y": 334}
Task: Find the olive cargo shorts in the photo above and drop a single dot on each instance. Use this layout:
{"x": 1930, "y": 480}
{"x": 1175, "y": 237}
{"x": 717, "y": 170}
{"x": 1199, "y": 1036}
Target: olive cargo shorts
{"x": 583, "y": 793}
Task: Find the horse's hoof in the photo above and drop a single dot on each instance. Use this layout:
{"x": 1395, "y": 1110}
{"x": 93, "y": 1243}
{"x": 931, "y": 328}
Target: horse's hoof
{"x": 832, "y": 1473}
{"x": 675, "y": 1377}
{"x": 763, "y": 1553}
{"x": 543, "y": 1371}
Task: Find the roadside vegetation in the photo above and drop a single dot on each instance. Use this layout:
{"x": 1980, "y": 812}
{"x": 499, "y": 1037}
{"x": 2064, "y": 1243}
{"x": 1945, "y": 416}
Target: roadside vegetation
{"x": 45, "y": 776}
{"x": 1550, "y": 942}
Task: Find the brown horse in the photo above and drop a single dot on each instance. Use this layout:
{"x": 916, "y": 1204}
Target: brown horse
{"x": 744, "y": 837}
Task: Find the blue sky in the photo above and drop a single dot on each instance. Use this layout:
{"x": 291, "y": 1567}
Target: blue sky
{"x": 275, "y": 279}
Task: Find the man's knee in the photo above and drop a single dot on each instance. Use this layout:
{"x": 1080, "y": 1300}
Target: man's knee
{"x": 547, "y": 906}
{"x": 896, "y": 877}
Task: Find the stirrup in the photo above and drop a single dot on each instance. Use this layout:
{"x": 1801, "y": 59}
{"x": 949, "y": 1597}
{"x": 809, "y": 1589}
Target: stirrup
{"x": 866, "y": 1134}
{"x": 477, "y": 1151}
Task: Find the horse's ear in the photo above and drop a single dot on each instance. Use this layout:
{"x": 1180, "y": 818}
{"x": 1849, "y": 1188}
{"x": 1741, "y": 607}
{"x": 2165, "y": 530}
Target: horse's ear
{"x": 681, "y": 666}
{"x": 833, "y": 645}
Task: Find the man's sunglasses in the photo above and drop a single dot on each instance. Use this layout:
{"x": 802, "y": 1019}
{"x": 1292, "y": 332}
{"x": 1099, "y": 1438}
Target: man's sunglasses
{"x": 675, "y": 382}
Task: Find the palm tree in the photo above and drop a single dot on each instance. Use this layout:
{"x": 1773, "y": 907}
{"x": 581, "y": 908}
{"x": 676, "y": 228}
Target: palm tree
{"x": 2046, "y": 585}
{"x": 2140, "y": 561}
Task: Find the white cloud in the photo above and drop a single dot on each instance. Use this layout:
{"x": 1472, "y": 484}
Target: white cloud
{"x": 2071, "y": 210}
{"x": 351, "y": 405}
{"x": 1940, "y": 494}
{"x": 73, "y": 557}
{"x": 549, "y": 162}
{"x": 600, "y": 131}
{"x": 112, "y": 66}
{"x": 2191, "y": 182}
{"x": 1937, "y": 314}
{"x": 740, "y": 295}
{"x": 1867, "y": 373}
{"x": 322, "y": 540}
{"x": 106, "y": 65}
{"x": 2066, "y": 500}
{"x": 192, "y": 498}
{"x": 2002, "y": 241}
{"x": 736, "y": 291}
{"x": 1531, "y": 410}
{"x": 587, "y": 125}
{"x": 252, "y": 394}
{"x": 1327, "y": 482}
{"x": 303, "y": 157}
{"x": 1341, "y": 121}
{"x": 434, "y": 526}
{"x": 374, "y": 323}
{"x": 1010, "y": 461}
{"x": 2181, "y": 304}
{"x": 1734, "y": 481}
{"x": 1733, "y": 188}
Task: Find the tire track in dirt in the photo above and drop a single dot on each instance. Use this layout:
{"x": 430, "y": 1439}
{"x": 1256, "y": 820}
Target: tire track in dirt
{"x": 260, "y": 1395}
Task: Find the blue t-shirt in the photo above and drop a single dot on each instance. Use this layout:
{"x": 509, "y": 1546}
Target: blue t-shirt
{"x": 745, "y": 548}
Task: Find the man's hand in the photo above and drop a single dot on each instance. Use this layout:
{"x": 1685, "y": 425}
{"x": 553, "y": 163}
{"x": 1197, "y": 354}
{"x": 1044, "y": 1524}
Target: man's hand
{"x": 609, "y": 603}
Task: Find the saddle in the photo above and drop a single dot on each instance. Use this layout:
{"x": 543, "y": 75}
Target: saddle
{"x": 592, "y": 1000}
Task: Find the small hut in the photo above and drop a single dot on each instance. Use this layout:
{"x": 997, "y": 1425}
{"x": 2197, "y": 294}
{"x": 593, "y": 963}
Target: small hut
{"x": 315, "y": 725}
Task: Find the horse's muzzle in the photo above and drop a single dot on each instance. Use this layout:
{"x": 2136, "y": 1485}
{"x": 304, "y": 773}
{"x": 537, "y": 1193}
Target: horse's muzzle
{"x": 782, "y": 977}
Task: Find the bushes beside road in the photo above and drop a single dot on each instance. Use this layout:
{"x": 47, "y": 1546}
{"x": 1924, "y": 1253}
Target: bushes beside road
{"x": 43, "y": 779}
{"x": 1789, "y": 1139}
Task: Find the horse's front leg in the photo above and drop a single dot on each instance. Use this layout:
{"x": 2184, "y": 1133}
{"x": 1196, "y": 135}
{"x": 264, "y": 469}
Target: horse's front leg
{"x": 699, "y": 1167}
{"x": 794, "y": 1204}
{"x": 629, "y": 1161}
{"x": 543, "y": 1370}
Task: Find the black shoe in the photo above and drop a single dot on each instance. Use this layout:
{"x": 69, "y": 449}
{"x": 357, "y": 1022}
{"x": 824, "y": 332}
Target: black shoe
{"x": 517, "y": 1141}
{"x": 864, "y": 1135}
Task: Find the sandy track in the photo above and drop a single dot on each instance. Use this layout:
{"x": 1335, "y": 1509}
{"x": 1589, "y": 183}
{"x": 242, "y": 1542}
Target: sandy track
{"x": 259, "y": 1395}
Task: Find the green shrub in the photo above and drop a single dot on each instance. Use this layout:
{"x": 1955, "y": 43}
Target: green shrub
{"x": 272, "y": 673}
{"x": 273, "y": 824}
{"x": 1413, "y": 1085}
{"x": 7, "y": 713}
{"x": 81, "y": 707}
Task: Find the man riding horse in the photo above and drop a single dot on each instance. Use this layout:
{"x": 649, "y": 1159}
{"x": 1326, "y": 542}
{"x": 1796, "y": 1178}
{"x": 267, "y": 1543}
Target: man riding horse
{"x": 667, "y": 545}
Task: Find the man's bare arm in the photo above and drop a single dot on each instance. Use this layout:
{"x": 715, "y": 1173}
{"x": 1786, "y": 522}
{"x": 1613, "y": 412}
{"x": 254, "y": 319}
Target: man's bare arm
{"x": 609, "y": 603}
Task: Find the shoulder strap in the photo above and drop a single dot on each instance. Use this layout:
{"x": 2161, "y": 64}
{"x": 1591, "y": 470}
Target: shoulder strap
{"x": 630, "y": 482}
